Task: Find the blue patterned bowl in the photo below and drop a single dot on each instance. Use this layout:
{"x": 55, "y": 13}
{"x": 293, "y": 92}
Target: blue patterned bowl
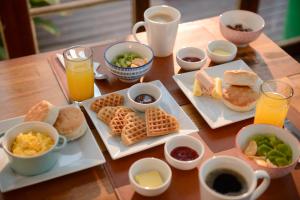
{"x": 128, "y": 74}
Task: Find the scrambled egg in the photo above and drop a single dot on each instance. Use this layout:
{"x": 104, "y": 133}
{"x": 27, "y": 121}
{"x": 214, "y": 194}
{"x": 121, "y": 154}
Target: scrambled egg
{"x": 31, "y": 143}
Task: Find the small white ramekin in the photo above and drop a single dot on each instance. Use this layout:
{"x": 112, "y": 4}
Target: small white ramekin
{"x": 148, "y": 164}
{"x": 143, "y": 88}
{"x": 190, "y": 52}
{"x": 187, "y": 141}
{"x": 223, "y": 45}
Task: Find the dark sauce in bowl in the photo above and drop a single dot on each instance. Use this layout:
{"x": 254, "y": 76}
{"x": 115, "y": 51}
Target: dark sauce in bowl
{"x": 144, "y": 99}
{"x": 191, "y": 59}
{"x": 184, "y": 153}
{"x": 239, "y": 27}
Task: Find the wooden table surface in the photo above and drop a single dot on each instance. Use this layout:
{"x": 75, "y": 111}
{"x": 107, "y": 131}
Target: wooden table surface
{"x": 25, "y": 81}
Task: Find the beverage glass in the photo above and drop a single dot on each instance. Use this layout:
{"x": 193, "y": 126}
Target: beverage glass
{"x": 273, "y": 103}
{"x": 161, "y": 24}
{"x": 240, "y": 167}
{"x": 79, "y": 70}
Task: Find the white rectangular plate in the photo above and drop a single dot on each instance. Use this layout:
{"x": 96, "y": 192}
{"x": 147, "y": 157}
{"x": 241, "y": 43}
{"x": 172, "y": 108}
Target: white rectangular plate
{"x": 114, "y": 145}
{"x": 77, "y": 155}
{"x": 215, "y": 113}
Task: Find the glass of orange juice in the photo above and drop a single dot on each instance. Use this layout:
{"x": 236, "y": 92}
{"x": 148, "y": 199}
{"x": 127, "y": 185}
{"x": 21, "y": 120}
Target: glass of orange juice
{"x": 80, "y": 74}
{"x": 273, "y": 103}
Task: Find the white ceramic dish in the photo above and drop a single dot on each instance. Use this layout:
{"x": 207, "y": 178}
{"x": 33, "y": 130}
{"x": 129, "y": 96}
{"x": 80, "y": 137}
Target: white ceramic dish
{"x": 75, "y": 156}
{"x": 214, "y": 112}
{"x": 36, "y": 164}
{"x": 222, "y": 45}
{"x": 190, "y": 52}
{"x": 242, "y": 139}
{"x": 187, "y": 141}
{"x": 128, "y": 74}
{"x": 143, "y": 88}
{"x": 114, "y": 145}
{"x": 148, "y": 164}
{"x": 247, "y": 19}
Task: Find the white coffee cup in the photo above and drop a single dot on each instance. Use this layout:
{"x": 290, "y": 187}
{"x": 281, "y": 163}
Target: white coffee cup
{"x": 161, "y": 24}
{"x": 239, "y": 166}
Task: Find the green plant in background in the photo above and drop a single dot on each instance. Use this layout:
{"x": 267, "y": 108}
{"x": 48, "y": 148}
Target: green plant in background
{"x": 46, "y": 24}
{"x": 2, "y": 50}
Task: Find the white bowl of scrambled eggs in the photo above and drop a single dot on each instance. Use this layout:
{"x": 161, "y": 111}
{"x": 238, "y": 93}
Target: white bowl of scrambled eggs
{"x": 32, "y": 147}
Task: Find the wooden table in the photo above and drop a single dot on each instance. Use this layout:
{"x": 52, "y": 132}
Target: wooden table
{"x": 24, "y": 81}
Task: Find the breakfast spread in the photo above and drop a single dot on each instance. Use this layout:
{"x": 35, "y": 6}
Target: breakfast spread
{"x": 149, "y": 179}
{"x": 144, "y": 99}
{"x": 129, "y": 59}
{"x": 184, "y": 153}
{"x": 239, "y": 27}
{"x": 268, "y": 151}
{"x": 42, "y": 111}
{"x": 31, "y": 143}
{"x": 132, "y": 128}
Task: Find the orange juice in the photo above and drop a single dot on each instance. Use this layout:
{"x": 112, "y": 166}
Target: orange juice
{"x": 271, "y": 108}
{"x": 80, "y": 78}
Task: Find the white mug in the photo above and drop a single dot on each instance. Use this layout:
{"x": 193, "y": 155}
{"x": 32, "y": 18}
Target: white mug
{"x": 161, "y": 33}
{"x": 234, "y": 164}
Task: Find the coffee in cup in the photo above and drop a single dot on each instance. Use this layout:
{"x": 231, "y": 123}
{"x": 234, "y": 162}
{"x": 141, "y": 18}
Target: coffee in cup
{"x": 161, "y": 24}
{"x": 227, "y": 177}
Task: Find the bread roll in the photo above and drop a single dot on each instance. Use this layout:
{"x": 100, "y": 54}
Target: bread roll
{"x": 42, "y": 111}
{"x": 240, "y": 98}
{"x": 240, "y": 77}
{"x": 71, "y": 123}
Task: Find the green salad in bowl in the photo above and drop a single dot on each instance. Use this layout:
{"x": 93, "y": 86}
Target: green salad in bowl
{"x": 129, "y": 59}
{"x": 269, "y": 151}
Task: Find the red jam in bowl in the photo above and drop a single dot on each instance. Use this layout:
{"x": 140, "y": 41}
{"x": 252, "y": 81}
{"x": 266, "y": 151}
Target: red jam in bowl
{"x": 184, "y": 153}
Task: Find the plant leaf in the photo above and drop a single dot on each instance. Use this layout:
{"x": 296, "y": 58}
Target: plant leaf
{"x": 47, "y": 25}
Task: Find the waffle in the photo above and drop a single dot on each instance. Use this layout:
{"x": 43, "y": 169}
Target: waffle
{"x": 134, "y": 130}
{"x": 109, "y": 100}
{"x": 106, "y": 113}
{"x": 159, "y": 122}
{"x": 117, "y": 123}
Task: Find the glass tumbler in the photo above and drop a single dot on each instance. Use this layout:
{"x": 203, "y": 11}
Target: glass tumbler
{"x": 79, "y": 71}
{"x": 273, "y": 103}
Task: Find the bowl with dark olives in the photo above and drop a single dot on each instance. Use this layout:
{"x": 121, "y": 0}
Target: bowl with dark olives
{"x": 240, "y": 26}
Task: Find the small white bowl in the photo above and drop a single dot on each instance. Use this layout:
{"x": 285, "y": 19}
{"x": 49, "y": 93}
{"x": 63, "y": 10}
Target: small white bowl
{"x": 222, "y": 45}
{"x": 188, "y": 141}
{"x": 148, "y": 164}
{"x": 246, "y": 18}
{"x": 242, "y": 139}
{"x": 128, "y": 74}
{"x": 143, "y": 88}
{"x": 190, "y": 52}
